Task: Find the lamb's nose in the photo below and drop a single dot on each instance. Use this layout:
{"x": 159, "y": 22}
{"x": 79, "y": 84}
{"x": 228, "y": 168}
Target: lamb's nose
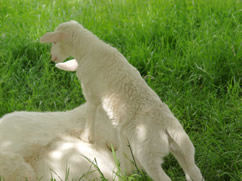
{"x": 54, "y": 58}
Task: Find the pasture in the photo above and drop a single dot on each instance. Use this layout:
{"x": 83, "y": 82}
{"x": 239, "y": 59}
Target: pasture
{"x": 188, "y": 51}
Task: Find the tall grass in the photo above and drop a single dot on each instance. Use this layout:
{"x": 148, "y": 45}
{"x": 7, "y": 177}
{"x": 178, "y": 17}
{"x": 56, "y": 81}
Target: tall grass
{"x": 188, "y": 51}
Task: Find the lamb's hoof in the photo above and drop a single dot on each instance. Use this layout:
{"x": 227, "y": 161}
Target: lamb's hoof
{"x": 86, "y": 138}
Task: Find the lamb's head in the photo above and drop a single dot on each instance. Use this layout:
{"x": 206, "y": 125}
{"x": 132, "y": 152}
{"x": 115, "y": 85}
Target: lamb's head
{"x": 63, "y": 40}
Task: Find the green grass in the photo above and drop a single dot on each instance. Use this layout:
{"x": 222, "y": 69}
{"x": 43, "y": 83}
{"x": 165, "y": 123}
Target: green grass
{"x": 189, "y": 52}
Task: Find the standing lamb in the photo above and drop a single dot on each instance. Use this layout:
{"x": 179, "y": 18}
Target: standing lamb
{"x": 110, "y": 81}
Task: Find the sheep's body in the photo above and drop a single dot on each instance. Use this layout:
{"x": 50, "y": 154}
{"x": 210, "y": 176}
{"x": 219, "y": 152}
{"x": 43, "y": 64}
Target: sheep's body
{"x": 13, "y": 167}
{"x": 110, "y": 81}
{"x": 66, "y": 154}
{"x": 31, "y": 143}
{"x": 39, "y": 129}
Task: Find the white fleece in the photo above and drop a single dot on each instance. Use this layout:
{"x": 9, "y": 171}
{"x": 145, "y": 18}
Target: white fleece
{"x": 109, "y": 81}
{"x": 32, "y": 144}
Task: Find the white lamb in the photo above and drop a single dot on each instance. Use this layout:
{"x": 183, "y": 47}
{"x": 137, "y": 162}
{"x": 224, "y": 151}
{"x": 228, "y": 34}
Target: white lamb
{"x": 110, "y": 81}
{"x": 31, "y": 143}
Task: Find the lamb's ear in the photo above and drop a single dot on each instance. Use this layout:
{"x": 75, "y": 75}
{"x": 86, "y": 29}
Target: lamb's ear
{"x": 51, "y": 37}
{"x": 70, "y": 65}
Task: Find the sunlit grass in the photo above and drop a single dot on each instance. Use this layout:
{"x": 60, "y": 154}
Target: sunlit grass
{"x": 188, "y": 51}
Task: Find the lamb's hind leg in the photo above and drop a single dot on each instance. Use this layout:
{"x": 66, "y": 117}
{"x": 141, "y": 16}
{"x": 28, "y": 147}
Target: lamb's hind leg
{"x": 182, "y": 149}
{"x": 146, "y": 157}
{"x": 152, "y": 165}
{"x": 150, "y": 154}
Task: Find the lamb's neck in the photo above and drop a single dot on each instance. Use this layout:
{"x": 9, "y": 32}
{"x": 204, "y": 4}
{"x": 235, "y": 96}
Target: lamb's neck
{"x": 90, "y": 61}
{"x": 85, "y": 44}
{"x": 87, "y": 69}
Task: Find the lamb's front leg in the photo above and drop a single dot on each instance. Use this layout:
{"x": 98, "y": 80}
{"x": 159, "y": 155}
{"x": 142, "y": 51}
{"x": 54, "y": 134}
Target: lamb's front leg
{"x": 88, "y": 132}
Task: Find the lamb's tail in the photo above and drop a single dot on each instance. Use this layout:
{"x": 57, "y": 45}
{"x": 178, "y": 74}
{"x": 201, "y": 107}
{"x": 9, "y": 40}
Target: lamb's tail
{"x": 183, "y": 150}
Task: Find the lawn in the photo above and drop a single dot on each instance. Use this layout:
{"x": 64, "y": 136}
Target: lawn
{"x": 189, "y": 52}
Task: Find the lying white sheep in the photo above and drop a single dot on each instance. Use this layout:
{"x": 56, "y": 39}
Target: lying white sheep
{"x": 65, "y": 154}
{"x": 110, "y": 81}
{"x": 14, "y": 168}
{"x": 31, "y": 143}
